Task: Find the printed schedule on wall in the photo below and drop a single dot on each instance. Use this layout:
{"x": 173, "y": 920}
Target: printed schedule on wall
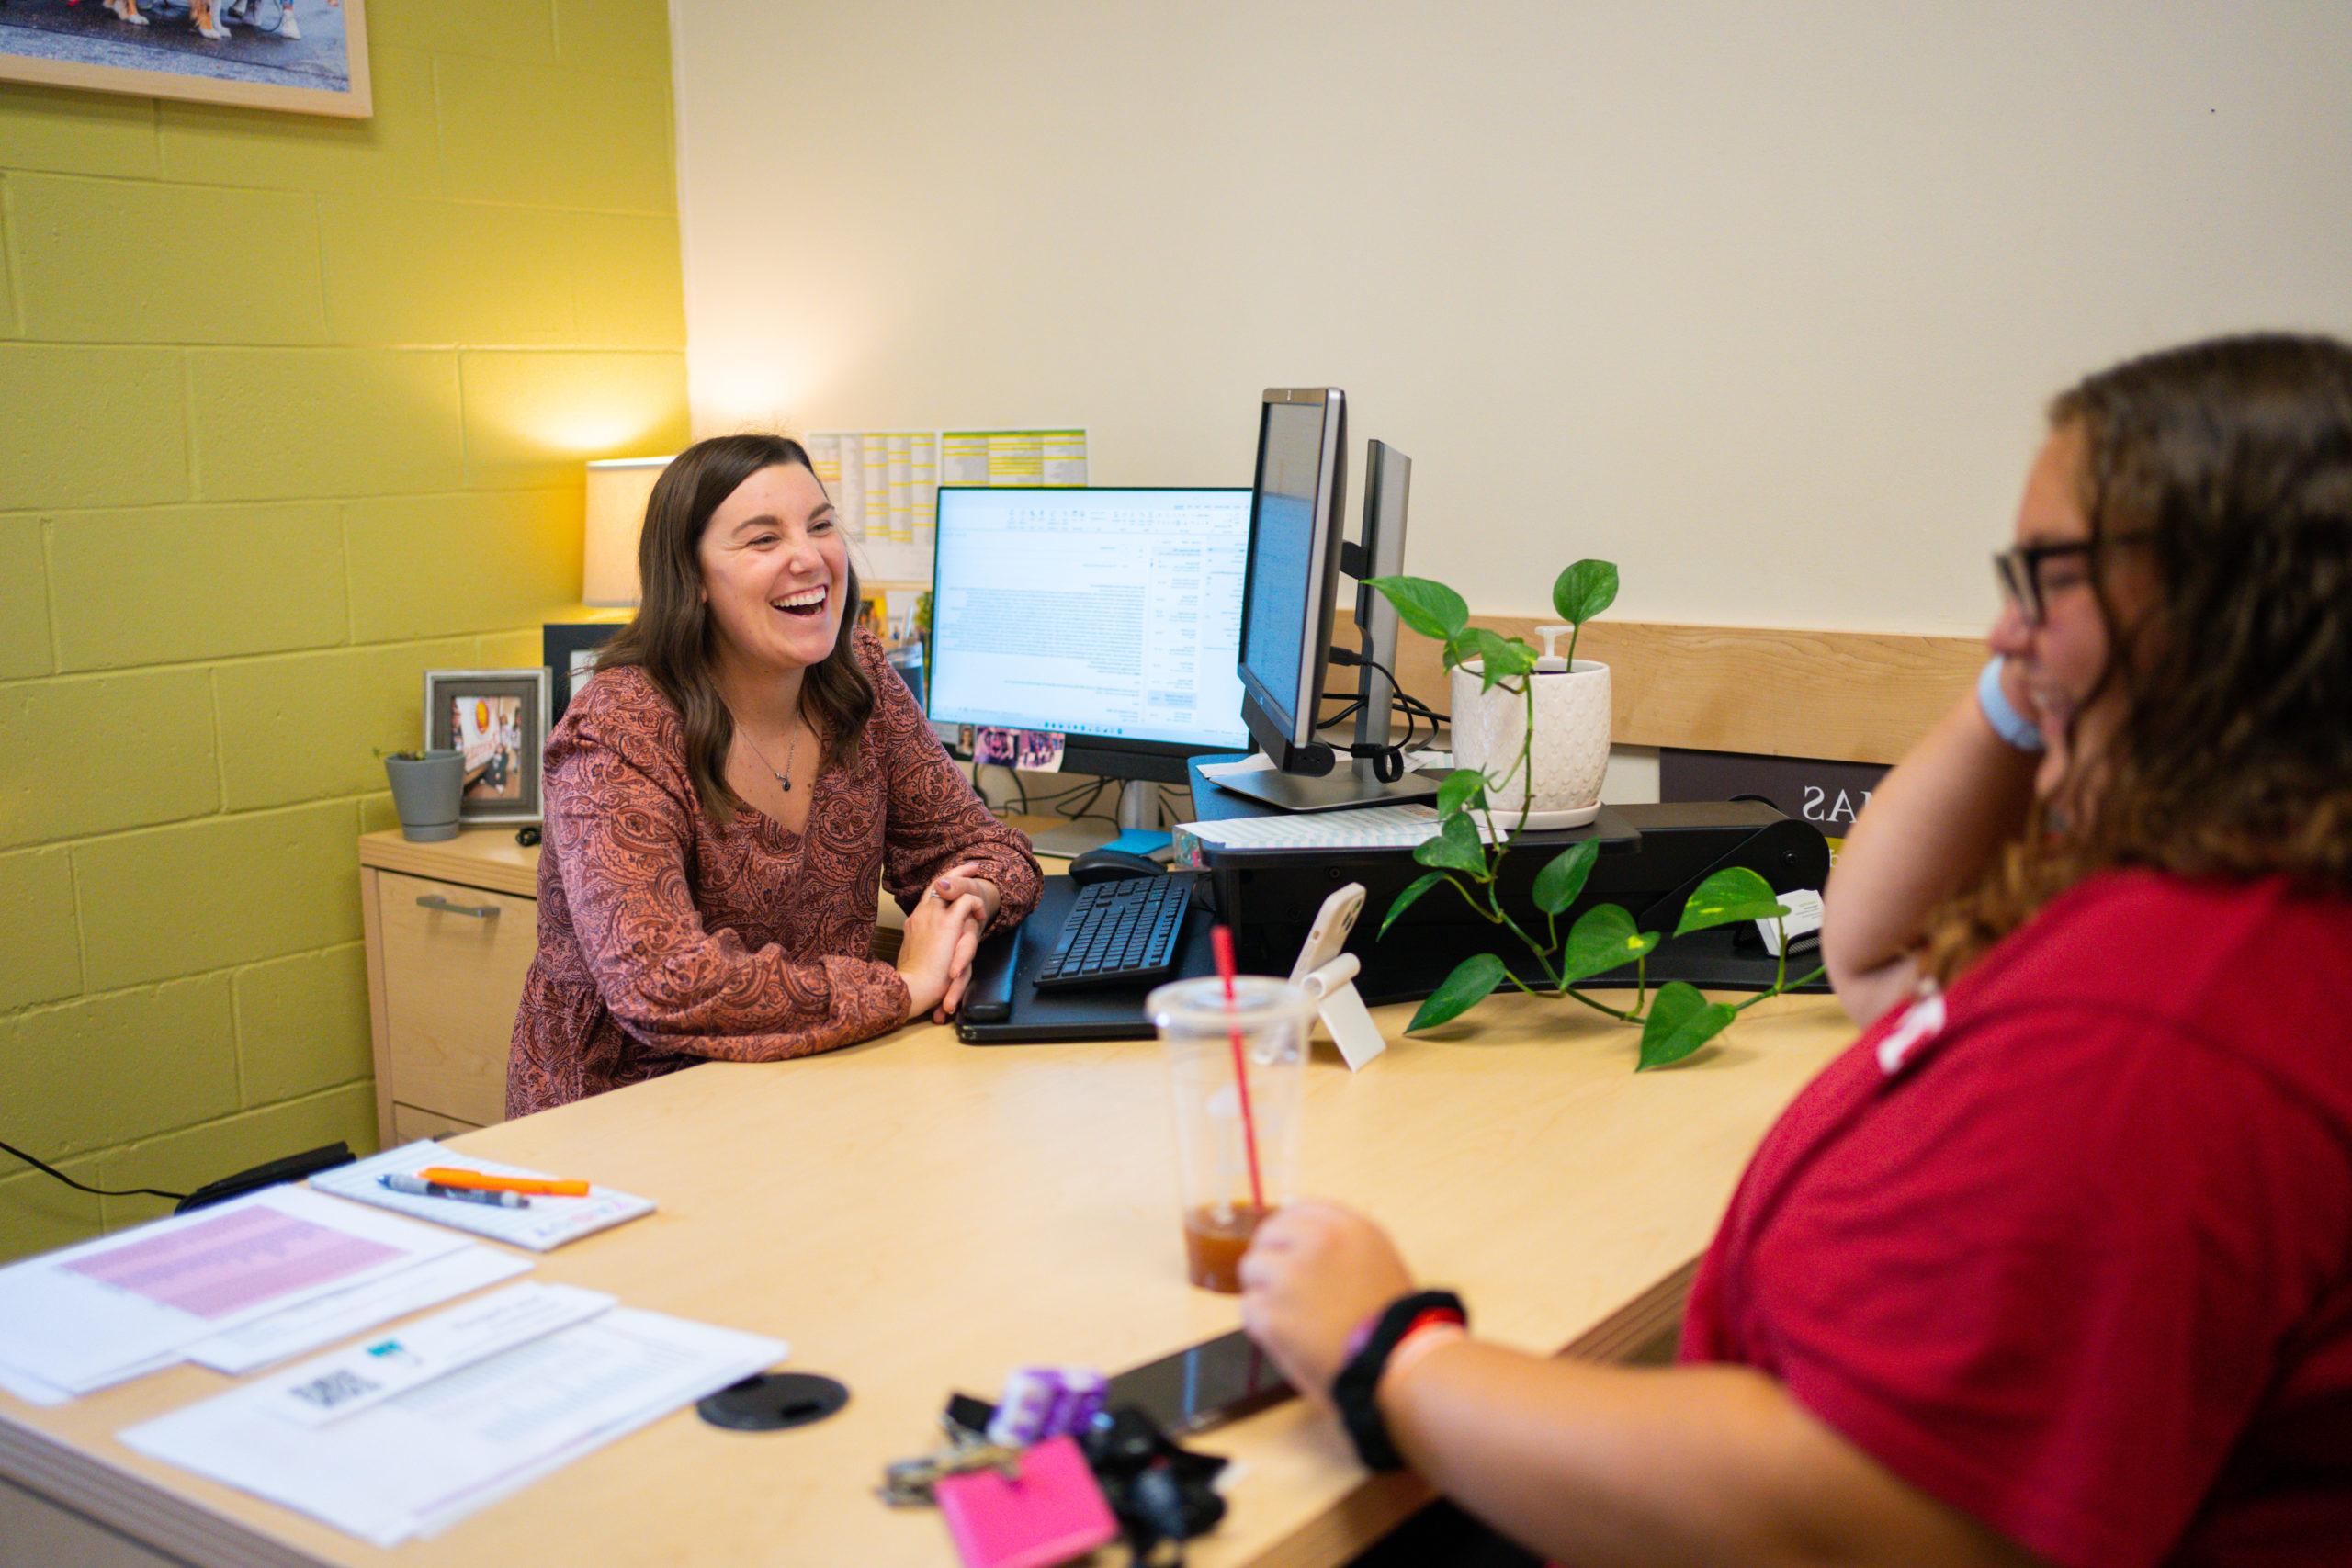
{"x": 885, "y": 484}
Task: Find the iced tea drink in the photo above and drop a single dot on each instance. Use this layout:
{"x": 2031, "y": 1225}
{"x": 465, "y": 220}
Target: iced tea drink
{"x": 1220, "y": 1197}
{"x": 1213, "y": 1242}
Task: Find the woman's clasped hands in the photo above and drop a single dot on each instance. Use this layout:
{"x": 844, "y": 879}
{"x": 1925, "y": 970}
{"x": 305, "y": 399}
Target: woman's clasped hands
{"x": 942, "y": 935}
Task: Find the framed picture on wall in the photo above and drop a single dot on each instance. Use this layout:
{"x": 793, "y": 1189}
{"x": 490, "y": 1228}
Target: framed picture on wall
{"x": 309, "y": 56}
{"x": 496, "y": 719}
{"x": 569, "y": 648}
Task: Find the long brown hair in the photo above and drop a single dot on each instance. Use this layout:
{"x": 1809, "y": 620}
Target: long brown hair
{"x": 672, "y": 636}
{"x": 2232, "y": 754}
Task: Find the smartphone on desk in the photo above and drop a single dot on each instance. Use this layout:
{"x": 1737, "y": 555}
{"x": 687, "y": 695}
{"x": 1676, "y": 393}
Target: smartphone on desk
{"x": 1217, "y": 1380}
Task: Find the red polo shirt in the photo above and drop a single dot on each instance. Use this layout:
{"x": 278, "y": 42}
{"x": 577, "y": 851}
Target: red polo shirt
{"x": 2071, "y": 1248}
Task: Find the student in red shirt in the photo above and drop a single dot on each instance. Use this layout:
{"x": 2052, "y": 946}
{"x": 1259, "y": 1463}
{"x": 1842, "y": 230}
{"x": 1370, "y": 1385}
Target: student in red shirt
{"x": 2055, "y": 1264}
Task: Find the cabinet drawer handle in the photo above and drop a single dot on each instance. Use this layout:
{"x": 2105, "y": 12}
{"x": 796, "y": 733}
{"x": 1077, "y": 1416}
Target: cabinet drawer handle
{"x": 479, "y": 911}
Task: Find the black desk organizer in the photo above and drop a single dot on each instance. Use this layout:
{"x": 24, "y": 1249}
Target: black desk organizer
{"x": 1652, "y": 857}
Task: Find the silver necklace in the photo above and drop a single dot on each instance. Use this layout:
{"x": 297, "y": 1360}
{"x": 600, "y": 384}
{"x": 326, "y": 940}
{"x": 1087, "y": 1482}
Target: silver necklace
{"x": 783, "y": 775}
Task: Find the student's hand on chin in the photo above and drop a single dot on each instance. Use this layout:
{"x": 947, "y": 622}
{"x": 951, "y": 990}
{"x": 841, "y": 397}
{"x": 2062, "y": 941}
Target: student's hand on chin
{"x": 1314, "y": 1272}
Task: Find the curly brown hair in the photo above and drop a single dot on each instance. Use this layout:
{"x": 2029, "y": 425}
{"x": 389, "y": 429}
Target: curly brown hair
{"x": 671, "y": 637}
{"x": 2232, "y": 754}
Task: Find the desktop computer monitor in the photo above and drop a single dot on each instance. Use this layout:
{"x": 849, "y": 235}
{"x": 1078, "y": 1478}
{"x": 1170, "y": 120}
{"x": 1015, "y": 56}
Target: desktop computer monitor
{"x": 1294, "y": 578}
{"x": 1296, "y": 556}
{"x": 1108, "y": 615}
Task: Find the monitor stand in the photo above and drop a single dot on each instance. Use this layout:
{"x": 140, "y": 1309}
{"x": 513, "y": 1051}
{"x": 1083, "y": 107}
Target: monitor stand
{"x": 1341, "y": 787}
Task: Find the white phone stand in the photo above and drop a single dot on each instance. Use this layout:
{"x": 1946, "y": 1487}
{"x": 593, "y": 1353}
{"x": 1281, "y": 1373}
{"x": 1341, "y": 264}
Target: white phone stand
{"x": 1333, "y": 987}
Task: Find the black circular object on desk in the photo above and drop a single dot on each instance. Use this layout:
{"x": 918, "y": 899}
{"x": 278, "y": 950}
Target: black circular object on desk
{"x": 769, "y": 1402}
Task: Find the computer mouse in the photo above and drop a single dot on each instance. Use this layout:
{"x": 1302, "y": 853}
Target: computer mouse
{"x": 1107, "y": 864}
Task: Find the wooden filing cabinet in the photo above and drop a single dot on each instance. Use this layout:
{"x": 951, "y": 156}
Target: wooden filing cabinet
{"x": 451, "y": 928}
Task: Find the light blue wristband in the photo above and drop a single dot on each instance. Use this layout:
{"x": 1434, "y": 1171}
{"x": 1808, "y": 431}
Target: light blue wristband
{"x": 2007, "y": 723}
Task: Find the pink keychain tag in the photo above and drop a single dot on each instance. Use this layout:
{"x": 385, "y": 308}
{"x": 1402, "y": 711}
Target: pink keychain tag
{"x": 1052, "y": 1513}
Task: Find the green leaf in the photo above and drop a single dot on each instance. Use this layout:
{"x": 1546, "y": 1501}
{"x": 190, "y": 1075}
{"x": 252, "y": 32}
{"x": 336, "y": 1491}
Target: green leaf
{"x": 1456, "y": 848}
{"x": 1602, "y": 939}
{"x": 1469, "y": 985}
{"x": 1732, "y": 893}
{"x": 1419, "y": 886}
{"x": 1557, "y": 884}
{"x": 1463, "y": 788}
{"x": 1505, "y": 658}
{"x": 1429, "y": 608}
{"x": 1681, "y": 1020}
{"x": 1584, "y": 590}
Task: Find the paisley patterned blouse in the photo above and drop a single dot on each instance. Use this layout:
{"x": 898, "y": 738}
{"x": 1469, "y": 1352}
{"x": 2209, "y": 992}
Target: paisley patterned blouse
{"x": 666, "y": 940}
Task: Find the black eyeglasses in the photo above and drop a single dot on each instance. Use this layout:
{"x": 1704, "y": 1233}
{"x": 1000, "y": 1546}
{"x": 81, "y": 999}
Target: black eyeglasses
{"x": 2018, "y": 568}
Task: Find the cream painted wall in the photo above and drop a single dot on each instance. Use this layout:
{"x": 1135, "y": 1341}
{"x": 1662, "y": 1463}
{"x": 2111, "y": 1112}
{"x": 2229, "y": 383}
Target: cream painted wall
{"x": 1760, "y": 300}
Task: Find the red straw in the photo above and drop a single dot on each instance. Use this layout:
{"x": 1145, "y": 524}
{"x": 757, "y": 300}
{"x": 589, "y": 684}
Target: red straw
{"x": 1221, "y": 938}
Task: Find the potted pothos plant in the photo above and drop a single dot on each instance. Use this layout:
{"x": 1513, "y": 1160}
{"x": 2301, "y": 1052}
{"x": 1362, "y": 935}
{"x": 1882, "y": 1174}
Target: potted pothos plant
{"x": 1468, "y": 849}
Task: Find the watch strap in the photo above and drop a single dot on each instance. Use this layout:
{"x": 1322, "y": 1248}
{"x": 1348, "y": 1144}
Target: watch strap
{"x": 1354, "y": 1391}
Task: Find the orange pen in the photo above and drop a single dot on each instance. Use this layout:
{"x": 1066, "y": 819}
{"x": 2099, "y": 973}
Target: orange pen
{"x": 450, "y": 1176}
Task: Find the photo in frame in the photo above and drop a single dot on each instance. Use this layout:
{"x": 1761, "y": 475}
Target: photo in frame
{"x": 569, "y": 648}
{"x": 497, "y": 720}
{"x": 306, "y": 56}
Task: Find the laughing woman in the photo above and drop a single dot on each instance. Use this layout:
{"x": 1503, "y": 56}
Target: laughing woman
{"x": 725, "y": 798}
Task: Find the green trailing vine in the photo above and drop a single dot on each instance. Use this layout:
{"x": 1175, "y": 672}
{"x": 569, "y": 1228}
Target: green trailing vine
{"x": 1675, "y": 1018}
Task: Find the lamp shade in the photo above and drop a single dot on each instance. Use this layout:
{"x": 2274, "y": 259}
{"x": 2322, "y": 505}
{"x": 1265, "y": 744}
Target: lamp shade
{"x": 617, "y": 487}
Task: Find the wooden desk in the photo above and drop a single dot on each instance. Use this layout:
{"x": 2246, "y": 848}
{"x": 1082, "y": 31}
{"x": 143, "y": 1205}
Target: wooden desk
{"x": 916, "y": 1216}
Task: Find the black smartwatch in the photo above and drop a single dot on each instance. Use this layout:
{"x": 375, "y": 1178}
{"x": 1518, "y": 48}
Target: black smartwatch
{"x": 1352, "y": 1391}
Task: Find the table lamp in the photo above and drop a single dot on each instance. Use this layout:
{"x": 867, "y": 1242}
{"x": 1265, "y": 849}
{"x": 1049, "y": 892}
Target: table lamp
{"x": 617, "y": 487}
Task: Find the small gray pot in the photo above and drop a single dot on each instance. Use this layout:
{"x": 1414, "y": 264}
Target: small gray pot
{"x": 426, "y": 788}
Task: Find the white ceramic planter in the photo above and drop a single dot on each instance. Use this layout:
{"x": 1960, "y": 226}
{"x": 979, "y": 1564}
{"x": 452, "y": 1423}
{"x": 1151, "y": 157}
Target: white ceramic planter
{"x": 1571, "y": 750}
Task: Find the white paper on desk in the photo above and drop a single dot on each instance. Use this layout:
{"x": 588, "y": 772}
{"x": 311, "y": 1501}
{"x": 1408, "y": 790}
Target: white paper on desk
{"x": 423, "y": 1461}
{"x": 1256, "y": 762}
{"x": 382, "y": 1367}
{"x": 548, "y": 1223}
{"x": 332, "y": 1317}
{"x": 33, "y": 1391}
{"x": 86, "y": 1316}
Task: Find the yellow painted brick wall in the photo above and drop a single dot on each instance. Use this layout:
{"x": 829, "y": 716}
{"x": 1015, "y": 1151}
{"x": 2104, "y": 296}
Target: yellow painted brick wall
{"x": 291, "y": 411}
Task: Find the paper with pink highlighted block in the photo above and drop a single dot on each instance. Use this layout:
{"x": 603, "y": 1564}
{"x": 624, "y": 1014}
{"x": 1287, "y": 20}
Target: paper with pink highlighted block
{"x": 93, "y": 1314}
{"x": 233, "y": 1261}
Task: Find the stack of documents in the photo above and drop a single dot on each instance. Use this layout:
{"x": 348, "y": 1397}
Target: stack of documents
{"x": 236, "y": 1286}
{"x": 549, "y": 1222}
{"x": 407, "y": 1434}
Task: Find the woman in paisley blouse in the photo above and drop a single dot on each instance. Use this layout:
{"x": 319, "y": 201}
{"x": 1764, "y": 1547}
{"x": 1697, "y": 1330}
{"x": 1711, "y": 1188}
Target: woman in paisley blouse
{"x": 725, "y": 797}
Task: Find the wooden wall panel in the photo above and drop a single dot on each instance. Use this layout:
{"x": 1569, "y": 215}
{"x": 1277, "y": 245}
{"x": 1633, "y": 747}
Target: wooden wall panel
{"x": 1848, "y": 697}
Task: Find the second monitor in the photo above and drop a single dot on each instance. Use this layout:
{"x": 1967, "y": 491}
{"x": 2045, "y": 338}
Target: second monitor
{"x": 1110, "y": 617}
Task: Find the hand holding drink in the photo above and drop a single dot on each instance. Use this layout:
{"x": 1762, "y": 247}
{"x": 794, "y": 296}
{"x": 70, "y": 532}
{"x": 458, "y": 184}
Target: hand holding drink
{"x": 1236, "y": 1060}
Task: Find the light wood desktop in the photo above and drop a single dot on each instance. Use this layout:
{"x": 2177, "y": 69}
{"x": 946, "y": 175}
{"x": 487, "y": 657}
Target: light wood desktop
{"x": 917, "y": 1216}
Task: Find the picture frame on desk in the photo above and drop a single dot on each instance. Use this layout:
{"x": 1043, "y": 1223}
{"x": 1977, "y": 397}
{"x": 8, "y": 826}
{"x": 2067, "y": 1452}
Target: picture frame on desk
{"x": 498, "y": 720}
{"x": 570, "y": 649}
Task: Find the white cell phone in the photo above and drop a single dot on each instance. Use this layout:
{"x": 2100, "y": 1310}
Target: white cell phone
{"x": 1333, "y": 922}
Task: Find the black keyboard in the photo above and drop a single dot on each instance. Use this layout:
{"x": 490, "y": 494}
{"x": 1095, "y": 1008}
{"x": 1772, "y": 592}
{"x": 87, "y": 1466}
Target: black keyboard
{"x": 1118, "y": 930}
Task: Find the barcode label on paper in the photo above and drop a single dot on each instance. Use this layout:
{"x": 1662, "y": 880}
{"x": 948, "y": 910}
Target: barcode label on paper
{"x": 338, "y": 1387}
